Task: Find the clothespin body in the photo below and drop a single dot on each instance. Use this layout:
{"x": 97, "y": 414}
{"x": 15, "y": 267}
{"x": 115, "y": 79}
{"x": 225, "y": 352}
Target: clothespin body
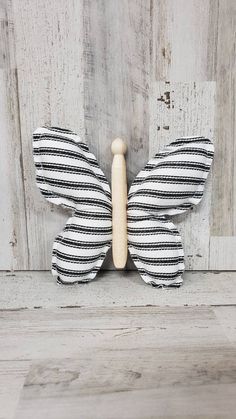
{"x": 119, "y": 204}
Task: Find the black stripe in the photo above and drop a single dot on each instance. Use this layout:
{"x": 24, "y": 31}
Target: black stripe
{"x": 58, "y": 129}
{"x": 145, "y": 231}
{"x": 139, "y": 218}
{"x": 158, "y": 261}
{"x": 160, "y": 276}
{"x": 175, "y": 180}
{"x": 167, "y": 194}
{"x": 72, "y": 273}
{"x": 81, "y": 244}
{"x": 53, "y": 151}
{"x": 191, "y": 165}
{"x": 155, "y": 246}
{"x": 184, "y": 151}
{"x": 180, "y": 141}
{"x": 72, "y": 185}
{"x": 92, "y": 215}
{"x": 53, "y": 167}
{"x": 88, "y": 230}
{"x": 78, "y": 259}
{"x": 95, "y": 203}
{"x": 41, "y": 137}
{"x": 151, "y": 207}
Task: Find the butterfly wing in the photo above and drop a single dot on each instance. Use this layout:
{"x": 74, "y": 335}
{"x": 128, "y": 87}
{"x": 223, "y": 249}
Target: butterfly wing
{"x": 68, "y": 174}
{"x": 170, "y": 184}
{"x": 156, "y": 249}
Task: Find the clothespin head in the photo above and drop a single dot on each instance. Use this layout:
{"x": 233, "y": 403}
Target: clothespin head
{"x": 118, "y": 146}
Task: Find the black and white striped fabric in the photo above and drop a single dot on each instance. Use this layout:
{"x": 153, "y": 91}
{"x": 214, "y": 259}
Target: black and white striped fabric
{"x": 171, "y": 183}
{"x": 68, "y": 174}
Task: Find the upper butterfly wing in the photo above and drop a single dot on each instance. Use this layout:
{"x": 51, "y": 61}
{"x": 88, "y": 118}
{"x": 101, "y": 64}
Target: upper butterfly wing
{"x": 173, "y": 181}
{"x": 68, "y": 174}
{"x": 170, "y": 184}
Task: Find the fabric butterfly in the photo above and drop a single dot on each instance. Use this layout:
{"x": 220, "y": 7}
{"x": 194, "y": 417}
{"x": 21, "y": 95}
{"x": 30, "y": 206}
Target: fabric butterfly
{"x": 171, "y": 183}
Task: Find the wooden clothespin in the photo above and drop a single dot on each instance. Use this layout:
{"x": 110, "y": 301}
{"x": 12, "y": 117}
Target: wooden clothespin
{"x": 119, "y": 204}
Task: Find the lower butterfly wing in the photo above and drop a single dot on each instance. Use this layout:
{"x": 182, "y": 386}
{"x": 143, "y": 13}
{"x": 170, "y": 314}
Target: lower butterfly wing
{"x": 170, "y": 184}
{"x": 80, "y": 249}
{"x": 156, "y": 249}
{"x": 68, "y": 174}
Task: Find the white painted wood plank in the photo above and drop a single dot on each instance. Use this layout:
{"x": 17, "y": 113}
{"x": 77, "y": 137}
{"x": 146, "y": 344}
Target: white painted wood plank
{"x": 211, "y": 401}
{"x": 180, "y": 51}
{"x": 13, "y": 249}
{"x": 116, "y": 81}
{"x": 69, "y": 332}
{"x": 189, "y": 57}
{"x": 227, "y": 319}
{"x": 147, "y": 369}
{"x": 185, "y": 109}
{"x": 223, "y": 214}
{"x": 12, "y": 378}
{"x": 39, "y": 289}
{"x": 197, "y": 402}
{"x": 95, "y": 379}
{"x": 222, "y": 253}
{"x": 82, "y": 65}
{"x": 49, "y": 46}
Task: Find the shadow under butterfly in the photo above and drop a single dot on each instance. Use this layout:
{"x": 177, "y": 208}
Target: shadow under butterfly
{"x": 171, "y": 183}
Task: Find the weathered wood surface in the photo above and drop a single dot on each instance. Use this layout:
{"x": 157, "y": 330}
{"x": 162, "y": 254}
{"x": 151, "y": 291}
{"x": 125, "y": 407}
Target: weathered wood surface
{"x": 112, "y": 362}
{"x": 49, "y": 52}
{"x": 132, "y": 387}
{"x": 227, "y": 319}
{"x": 103, "y": 356}
{"x": 114, "y": 289}
{"x": 117, "y": 59}
{"x": 87, "y": 68}
{"x": 12, "y": 378}
{"x": 222, "y": 250}
{"x": 195, "y": 41}
{"x": 183, "y": 403}
{"x": 13, "y": 227}
{"x": 184, "y": 109}
{"x": 180, "y": 51}
{"x": 223, "y": 217}
{"x": 69, "y": 332}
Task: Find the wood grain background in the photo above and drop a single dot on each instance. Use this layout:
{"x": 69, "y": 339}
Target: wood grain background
{"x": 145, "y": 70}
